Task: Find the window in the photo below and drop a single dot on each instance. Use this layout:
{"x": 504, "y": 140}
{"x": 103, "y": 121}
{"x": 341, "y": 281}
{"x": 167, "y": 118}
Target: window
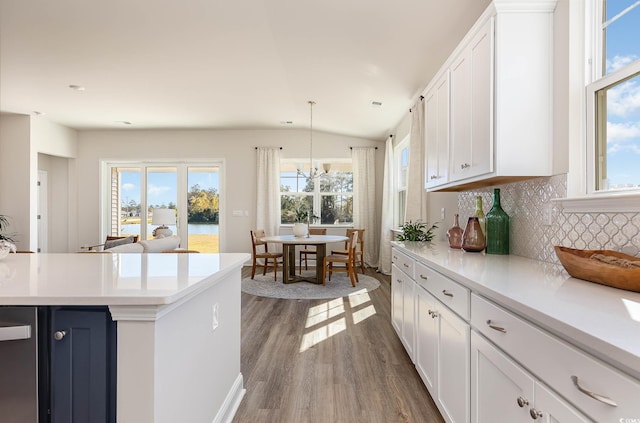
{"x": 193, "y": 190}
{"x": 613, "y": 98}
{"x": 329, "y": 197}
{"x": 402, "y": 165}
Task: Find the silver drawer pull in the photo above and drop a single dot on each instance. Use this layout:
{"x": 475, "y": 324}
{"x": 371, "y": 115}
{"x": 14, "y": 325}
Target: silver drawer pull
{"x": 494, "y": 327}
{"x": 593, "y": 395}
{"x": 395, "y": 258}
{"x": 522, "y": 402}
{"x": 447, "y": 293}
{"x": 424, "y": 277}
{"x": 405, "y": 265}
{"x": 433, "y": 314}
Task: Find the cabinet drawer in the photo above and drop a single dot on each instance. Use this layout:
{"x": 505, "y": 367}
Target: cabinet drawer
{"x": 403, "y": 261}
{"x": 450, "y": 293}
{"x": 559, "y": 364}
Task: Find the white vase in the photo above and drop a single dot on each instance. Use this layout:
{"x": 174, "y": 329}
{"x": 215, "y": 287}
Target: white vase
{"x": 299, "y": 229}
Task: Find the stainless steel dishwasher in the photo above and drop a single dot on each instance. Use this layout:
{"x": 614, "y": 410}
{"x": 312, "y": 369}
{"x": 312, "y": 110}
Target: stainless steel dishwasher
{"x": 18, "y": 364}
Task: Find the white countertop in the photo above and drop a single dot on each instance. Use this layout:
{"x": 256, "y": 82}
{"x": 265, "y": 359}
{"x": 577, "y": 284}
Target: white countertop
{"x": 602, "y": 320}
{"x": 110, "y": 279}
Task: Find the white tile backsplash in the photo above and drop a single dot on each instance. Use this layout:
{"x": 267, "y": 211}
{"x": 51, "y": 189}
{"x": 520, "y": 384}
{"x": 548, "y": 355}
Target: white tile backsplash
{"x": 526, "y": 203}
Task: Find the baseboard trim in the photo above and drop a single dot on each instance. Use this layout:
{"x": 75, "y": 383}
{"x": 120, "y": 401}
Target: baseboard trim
{"x": 231, "y": 402}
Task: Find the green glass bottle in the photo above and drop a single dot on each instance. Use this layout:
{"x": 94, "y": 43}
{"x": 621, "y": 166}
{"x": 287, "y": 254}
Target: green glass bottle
{"x": 497, "y": 227}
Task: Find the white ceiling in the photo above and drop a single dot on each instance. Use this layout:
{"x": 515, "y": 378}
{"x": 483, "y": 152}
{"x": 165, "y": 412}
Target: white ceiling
{"x": 225, "y": 64}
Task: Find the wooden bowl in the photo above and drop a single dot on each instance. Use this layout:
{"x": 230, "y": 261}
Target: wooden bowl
{"x": 580, "y": 264}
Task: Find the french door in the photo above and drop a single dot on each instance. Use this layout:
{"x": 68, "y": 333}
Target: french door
{"x": 192, "y": 190}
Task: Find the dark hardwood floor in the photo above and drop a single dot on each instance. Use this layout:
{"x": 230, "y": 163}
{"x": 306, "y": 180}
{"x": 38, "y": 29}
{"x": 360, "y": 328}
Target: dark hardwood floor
{"x": 328, "y": 361}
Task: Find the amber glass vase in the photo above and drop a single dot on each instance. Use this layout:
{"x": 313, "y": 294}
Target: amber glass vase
{"x": 497, "y": 227}
{"x": 473, "y": 238}
{"x": 454, "y": 234}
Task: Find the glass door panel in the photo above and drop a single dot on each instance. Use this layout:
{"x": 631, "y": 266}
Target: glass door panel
{"x": 127, "y": 195}
{"x": 162, "y": 192}
{"x": 203, "y": 209}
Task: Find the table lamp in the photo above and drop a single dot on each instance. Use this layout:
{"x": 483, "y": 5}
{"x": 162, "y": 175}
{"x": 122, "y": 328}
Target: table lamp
{"x": 163, "y": 217}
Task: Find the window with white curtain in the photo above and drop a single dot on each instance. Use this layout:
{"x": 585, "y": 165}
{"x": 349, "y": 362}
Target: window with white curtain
{"x": 402, "y": 165}
{"x": 329, "y": 197}
{"x": 613, "y": 96}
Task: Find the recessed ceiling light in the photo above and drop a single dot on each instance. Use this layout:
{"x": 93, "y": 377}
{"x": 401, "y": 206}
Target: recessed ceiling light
{"x": 124, "y": 122}
{"x": 376, "y": 104}
{"x": 37, "y": 113}
{"x": 76, "y": 87}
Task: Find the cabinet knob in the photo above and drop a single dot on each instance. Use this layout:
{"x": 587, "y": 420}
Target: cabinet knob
{"x": 59, "y": 335}
{"x": 535, "y": 414}
{"x": 433, "y": 314}
{"x": 522, "y": 402}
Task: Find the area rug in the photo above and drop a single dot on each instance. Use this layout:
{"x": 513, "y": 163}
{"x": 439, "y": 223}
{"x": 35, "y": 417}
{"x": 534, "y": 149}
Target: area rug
{"x": 339, "y": 286}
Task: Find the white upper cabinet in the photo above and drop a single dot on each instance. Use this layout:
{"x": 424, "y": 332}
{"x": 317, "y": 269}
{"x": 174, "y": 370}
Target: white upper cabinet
{"x": 437, "y": 132}
{"x": 500, "y": 100}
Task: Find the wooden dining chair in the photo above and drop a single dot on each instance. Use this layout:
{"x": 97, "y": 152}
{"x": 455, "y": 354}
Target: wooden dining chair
{"x": 348, "y": 261}
{"x": 264, "y": 254}
{"x": 309, "y": 249}
{"x": 359, "y": 253}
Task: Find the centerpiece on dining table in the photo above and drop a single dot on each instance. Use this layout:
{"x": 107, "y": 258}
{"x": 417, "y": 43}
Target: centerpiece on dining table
{"x": 303, "y": 219}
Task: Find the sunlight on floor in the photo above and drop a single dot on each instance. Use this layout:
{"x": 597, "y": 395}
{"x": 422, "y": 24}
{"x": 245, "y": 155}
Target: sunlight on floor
{"x": 324, "y": 311}
{"x": 328, "y": 315}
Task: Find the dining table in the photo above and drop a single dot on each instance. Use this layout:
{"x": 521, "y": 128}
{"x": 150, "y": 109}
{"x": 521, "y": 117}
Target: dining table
{"x": 289, "y": 243}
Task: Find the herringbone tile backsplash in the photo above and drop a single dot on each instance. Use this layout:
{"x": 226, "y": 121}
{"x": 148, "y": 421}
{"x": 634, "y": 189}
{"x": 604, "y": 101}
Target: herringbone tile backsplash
{"x": 526, "y": 202}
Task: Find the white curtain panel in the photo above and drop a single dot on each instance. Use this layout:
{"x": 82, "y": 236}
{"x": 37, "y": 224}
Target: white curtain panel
{"x": 268, "y": 190}
{"x": 386, "y": 236}
{"x": 415, "y": 191}
{"x": 364, "y": 195}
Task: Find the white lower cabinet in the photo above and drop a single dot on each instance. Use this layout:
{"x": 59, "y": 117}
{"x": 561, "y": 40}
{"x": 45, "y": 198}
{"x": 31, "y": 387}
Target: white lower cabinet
{"x": 502, "y": 391}
{"x": 402, "y": 296}
{"x": 442, "y": 356}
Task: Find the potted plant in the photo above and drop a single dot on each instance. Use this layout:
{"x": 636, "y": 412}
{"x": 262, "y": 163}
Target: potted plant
{"x": 416, "y": 231}
{"x": 6, "y": 242}
{"x": 302, "y": 220}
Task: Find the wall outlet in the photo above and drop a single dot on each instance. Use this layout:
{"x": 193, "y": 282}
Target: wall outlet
{"x": 443, "y": 214}
{"x": 215, "y": 323}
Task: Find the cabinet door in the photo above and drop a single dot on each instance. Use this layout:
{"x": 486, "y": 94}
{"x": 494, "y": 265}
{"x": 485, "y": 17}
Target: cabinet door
{"x": 460, "y": 136}
{"x": 552, "y": 409}
{"x": 408, "y": 318}
{"x": 82, "y": 388}
{"x": 427, "y": 339}
{"x": 481, "y": 95}
{"x": 501, "y": 391}
{"x": 397, "y": 277}
{"x": 437, "y": 133}
{"x": 471, "y": 83}
{"x": 453, "y": 366}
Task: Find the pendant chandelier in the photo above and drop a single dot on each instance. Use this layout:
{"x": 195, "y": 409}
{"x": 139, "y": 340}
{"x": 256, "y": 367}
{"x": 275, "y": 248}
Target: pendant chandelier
{"x": 313, "y": 171}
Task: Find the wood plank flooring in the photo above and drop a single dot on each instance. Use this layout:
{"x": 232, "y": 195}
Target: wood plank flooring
{"x": 328, "y": 361}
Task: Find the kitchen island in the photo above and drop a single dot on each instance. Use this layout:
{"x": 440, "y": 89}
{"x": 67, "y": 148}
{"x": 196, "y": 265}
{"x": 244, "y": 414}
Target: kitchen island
{"x": 178, "y": 324}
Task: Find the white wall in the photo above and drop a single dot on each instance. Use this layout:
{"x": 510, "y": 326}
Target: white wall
{"x": 15, "y": 177}
{"x": 235, "y": 147}
{"x": 21, "y": 139}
